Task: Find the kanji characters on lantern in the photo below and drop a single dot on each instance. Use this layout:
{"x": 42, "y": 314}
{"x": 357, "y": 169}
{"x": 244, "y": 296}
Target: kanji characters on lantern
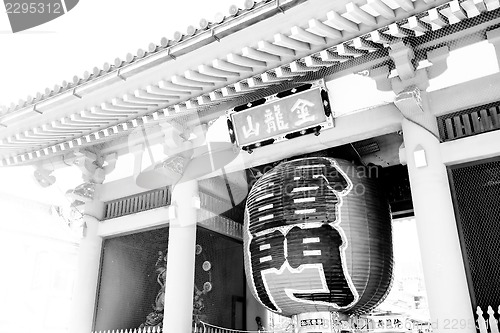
{"x": 311, "y": 253}
{"x": 314, "y": 245}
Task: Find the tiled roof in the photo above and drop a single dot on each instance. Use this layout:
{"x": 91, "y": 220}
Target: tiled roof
{"x": 130, "y": 58}
{"x": 322, "y": 43}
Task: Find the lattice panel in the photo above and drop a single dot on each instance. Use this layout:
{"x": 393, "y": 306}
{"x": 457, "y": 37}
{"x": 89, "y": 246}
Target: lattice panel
{"x": 469, "y": 122}
{"x": 477, "y": 203}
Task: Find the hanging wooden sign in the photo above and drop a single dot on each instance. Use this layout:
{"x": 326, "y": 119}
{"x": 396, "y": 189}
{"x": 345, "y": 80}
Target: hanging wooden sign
{"x": 281, "y": 116}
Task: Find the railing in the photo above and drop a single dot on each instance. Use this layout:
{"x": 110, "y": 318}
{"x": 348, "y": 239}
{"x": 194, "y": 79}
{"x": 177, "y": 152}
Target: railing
{"x": 469, "y": 122}
{"x": 137, "y": 203}
{"x": 486, "y": 321}
{"x": 197, "y": 328}
{"x": 207, "y": 328}
{"x": 133, "y": 330}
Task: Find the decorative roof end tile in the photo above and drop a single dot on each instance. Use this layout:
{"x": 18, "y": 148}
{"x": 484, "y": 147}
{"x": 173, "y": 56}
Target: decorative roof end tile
{"x": 178, "y": 36}
{"x": 191, "y": 30}
{"x": 204, "y": 24}
{"x": 233, "y": 10}
{"x": 249, "y": 4}
{"x": 164, "y": 42}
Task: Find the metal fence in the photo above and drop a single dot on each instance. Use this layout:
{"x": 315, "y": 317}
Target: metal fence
{"x": 197, "y": 328}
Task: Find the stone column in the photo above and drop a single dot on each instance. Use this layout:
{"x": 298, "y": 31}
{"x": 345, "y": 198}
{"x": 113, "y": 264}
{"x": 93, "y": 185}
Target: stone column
{"x": 443, "y": 266}
{"x": 83, "y": 303}
{"x": 179, "y": 286}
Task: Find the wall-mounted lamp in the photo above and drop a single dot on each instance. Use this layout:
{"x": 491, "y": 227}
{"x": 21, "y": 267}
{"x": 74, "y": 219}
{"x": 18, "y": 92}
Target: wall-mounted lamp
{"x": 172, "y": 212}
{"x": 196, "y": 202}
{"x": 419, "y": 157}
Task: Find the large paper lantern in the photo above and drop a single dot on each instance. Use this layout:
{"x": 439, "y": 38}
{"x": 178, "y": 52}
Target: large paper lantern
{"x": 318, "y": 240}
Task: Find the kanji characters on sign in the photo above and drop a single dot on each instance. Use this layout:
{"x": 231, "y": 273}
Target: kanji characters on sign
{"x": 252, "y": 129}
{"x": 279, "y": 117}
{"x": 301, "y": 108}
{"x": 274, "y": 121}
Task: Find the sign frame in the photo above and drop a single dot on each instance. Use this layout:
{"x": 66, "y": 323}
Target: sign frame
{"x": 328, "y": 122}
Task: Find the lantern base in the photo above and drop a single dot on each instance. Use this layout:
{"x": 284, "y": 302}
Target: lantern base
{"x": 321, "y": 322}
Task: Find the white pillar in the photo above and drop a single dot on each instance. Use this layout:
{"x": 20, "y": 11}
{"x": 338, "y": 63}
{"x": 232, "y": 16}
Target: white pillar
{"x": 253, "y": 310}
{"x": 179, "y": 286}
{"x": 444, "y": 273}
{"x": 83, "y": 304}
